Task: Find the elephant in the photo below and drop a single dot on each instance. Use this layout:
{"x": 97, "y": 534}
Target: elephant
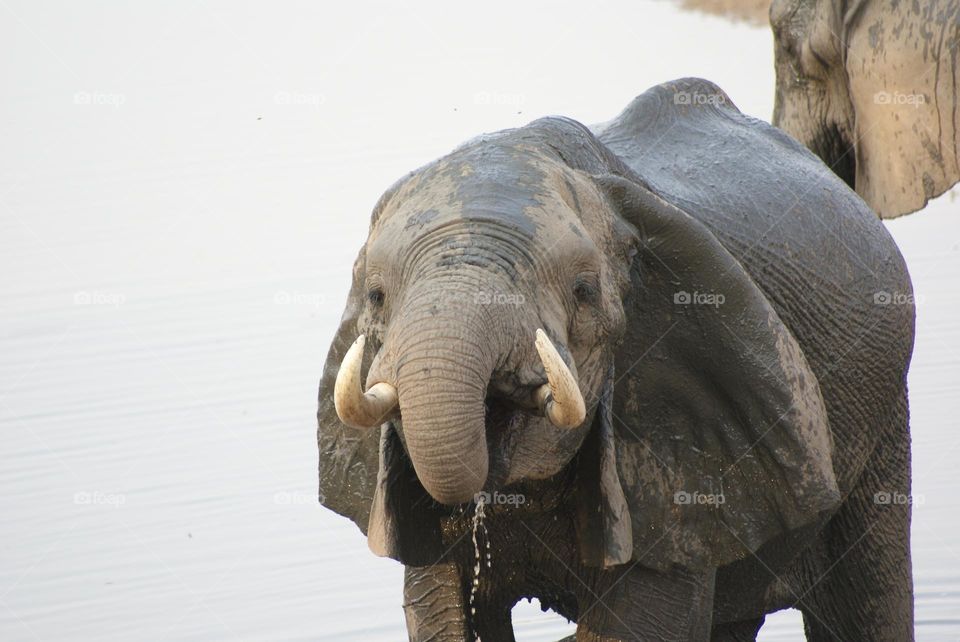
{"x": 870, "y": 86}
{"x": 652, "y": 374}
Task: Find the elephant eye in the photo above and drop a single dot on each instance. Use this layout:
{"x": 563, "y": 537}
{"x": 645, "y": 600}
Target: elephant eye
{"x": 375, "y": 295}
{"x": 586, "y": 288}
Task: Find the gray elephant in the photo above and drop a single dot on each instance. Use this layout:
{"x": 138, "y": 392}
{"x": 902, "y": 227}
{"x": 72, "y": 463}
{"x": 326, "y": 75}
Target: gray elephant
{"x": 654, "y": 374}
{"x": 870, "y": 86}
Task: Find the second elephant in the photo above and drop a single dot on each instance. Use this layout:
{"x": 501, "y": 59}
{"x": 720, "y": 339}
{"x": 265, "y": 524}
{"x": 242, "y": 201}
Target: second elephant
{"x": 871, "y": 87}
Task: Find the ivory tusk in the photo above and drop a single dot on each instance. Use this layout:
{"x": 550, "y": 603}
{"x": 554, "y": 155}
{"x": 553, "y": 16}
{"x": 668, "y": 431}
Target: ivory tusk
{"x": 559, "y": 398}
{"x": 354, "y": 407}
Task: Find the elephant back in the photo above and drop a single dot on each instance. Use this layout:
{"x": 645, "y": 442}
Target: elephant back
{"x": 824, "y": 260}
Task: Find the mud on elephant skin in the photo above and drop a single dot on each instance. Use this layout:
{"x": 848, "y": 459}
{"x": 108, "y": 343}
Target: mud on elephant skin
{"x": 652, "y": 335}
{"x": 871, "y": 86}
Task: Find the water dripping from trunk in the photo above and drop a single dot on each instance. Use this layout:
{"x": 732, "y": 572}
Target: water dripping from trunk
{"x": 480, "y": 560}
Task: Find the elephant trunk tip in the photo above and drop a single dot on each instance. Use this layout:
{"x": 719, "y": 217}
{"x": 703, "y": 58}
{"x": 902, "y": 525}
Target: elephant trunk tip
{"x": 459, "y": 495}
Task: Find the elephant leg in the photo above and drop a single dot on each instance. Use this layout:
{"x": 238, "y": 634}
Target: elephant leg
{"x": 637, "y": 603}
{"x": 744, "y": 631}
{"x": 436, "y": 609}
{"x": 863, "y": 586}
{"x": 493, "y": 624}
{"x": 433, "y": 604}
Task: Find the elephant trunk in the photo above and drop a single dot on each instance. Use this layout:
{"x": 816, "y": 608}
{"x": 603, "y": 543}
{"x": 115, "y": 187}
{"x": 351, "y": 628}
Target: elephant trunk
{"x": 445, "y": 356}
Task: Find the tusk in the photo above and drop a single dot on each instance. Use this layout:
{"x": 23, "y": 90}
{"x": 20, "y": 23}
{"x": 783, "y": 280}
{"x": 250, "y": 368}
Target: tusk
{"x": 354, "y": 407}
{"x": 559, "y": 398}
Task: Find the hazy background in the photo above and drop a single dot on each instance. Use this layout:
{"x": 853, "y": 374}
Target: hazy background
{"x": 183, "y": 189}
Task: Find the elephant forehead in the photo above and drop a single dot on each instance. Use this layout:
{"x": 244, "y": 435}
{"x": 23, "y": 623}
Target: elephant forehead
{"x": 504, "y": 188}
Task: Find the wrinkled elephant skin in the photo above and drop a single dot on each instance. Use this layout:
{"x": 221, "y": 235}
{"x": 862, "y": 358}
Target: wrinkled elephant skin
{"x": 668, "y": 357}
{"x": 871, "y": 87}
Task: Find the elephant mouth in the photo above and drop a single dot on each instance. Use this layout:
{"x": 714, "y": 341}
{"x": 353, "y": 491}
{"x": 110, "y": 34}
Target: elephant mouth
{"x": 836, "y": 150}
{"x": 511, "y": 415}
{"x": 506, "y": 420}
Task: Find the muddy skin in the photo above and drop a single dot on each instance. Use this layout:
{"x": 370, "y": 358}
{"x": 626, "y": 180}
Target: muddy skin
{"x": 740, "y": 325}
{"x": 872, "y": 88}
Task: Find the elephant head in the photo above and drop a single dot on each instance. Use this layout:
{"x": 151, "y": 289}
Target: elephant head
{"x": 871, "y": 88}
{"x": 517, "y": 303}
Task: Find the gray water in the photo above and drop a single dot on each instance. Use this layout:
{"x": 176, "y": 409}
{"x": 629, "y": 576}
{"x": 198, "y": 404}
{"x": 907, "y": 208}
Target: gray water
{"x": 183, "y": 188}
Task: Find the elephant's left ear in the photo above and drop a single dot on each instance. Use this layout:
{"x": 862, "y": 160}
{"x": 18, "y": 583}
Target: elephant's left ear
{"x": 720, "y": 431}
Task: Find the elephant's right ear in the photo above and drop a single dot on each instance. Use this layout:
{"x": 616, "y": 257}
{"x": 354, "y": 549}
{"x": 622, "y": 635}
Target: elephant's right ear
{"x": 721, "y": 434}
{"x": 349, "y": 458}
{"x": 364, "y": 474}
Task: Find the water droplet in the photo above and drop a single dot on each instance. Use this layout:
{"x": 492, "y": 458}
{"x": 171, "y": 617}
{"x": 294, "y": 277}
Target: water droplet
{"x": 478, "y": 526}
